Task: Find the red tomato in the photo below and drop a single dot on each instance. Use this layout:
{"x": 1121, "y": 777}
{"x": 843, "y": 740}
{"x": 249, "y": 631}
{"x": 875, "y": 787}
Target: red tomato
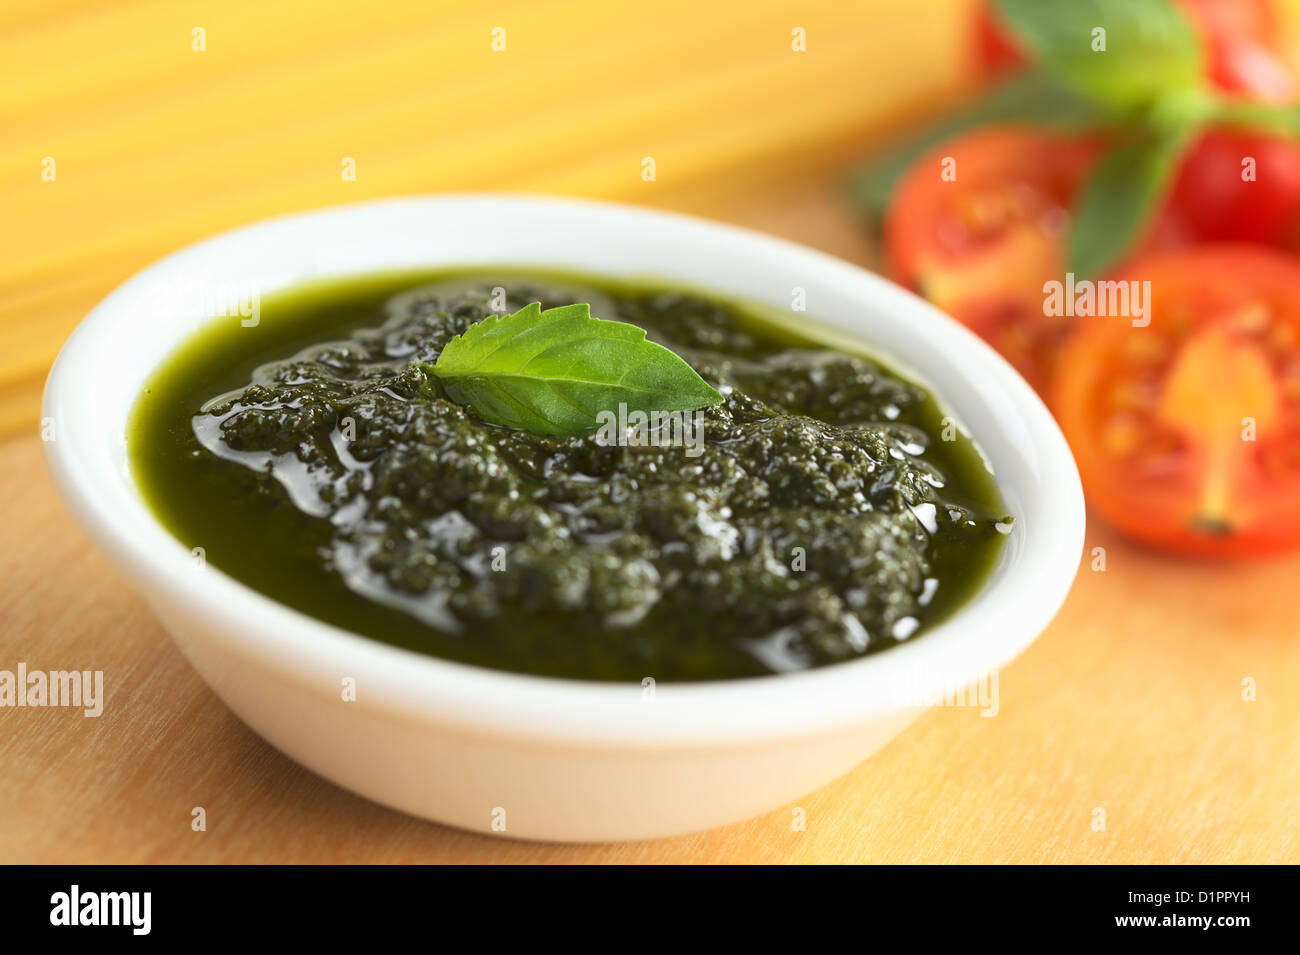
{"x": 1187, "y": 431}
{"x": 978, "y": 225}
{"x": 1238, "y": 39}
{"x": 995, "y": 51}
{"x": 1211, "y": 195}
{"x": 1239, "y": 187}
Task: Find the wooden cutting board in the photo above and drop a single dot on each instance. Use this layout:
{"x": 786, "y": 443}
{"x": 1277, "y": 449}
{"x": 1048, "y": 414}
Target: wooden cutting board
{"x": 1130, "y": 705}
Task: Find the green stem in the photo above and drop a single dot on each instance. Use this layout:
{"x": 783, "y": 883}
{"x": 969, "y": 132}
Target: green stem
{"x": 1273, "y": 118}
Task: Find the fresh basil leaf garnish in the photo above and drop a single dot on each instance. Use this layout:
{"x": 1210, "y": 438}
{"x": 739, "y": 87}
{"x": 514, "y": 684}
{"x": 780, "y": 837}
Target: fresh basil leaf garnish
{"x": 555, "y": 371}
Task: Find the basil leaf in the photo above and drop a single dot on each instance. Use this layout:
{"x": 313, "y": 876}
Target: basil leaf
{"x": 1032, "y": 98}
{"x": 555, "y": 371}
{"x": 1118, "y": 199}
{"x": 1150, "y": 46}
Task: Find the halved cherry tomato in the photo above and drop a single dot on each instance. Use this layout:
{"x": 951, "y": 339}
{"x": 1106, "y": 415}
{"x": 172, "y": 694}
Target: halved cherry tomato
{"x": 1187, "y": 431}
{"x": 977, "y": 227}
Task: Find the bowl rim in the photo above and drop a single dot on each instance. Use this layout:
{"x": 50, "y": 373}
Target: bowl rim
{"x": 985, "y": 633}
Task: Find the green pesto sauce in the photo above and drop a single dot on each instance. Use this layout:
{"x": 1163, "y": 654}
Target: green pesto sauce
{"x": 821, "y": 516}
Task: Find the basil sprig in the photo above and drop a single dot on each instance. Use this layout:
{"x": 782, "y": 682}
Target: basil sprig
{"x": 1116, "y": 201}
{"x": 553, "y": 372}
{"x": 1134, "y": 68}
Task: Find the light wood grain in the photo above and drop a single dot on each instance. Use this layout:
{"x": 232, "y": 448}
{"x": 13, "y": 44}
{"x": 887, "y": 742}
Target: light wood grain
{"x": 1131, "y": 701}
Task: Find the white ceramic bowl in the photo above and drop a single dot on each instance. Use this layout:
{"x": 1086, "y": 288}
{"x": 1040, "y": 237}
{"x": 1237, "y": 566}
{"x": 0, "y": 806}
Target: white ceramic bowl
{"x": 554, "y": 759}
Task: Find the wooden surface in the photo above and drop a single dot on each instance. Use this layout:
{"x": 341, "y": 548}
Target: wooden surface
{"x": 1131, "y": 702}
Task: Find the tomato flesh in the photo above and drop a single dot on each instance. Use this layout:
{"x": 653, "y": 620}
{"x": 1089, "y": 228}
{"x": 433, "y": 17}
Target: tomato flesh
{"x": 1187, "y": 431}
{"x": 978, "y": 226}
